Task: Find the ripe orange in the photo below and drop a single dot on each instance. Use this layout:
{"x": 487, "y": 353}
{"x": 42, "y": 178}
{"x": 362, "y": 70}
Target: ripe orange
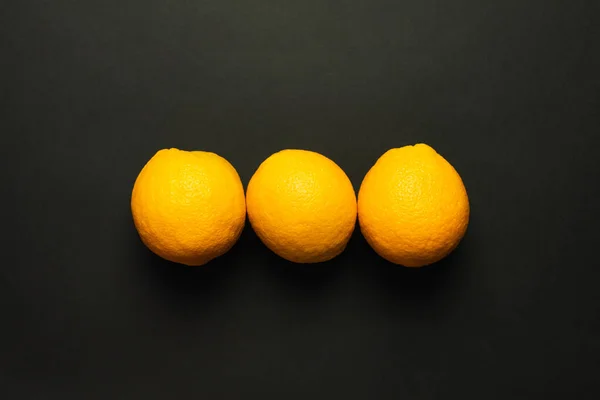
{"x": 188, "y": 206}
{"x": 302, "y": 206}
{"x": 413, "y": 208}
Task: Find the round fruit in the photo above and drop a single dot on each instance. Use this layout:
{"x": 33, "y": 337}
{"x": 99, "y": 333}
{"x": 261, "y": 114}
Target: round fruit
{"x": 188, "y": 206}
{"x": 302, "y": 206}
{"x": 413, "y": 208}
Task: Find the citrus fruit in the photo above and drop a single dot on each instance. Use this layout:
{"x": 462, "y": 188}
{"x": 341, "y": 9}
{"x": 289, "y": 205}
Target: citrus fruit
{"x": 302, "y": 206}
{"x": 188, "y": 206}
{"x": 413, "y": 208}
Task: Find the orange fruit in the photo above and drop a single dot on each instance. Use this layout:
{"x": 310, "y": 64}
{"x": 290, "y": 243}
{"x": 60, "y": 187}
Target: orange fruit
{"x": 188, "y": 206}
{"x": 413, "y": 207}
{"x": 302, "y": 206}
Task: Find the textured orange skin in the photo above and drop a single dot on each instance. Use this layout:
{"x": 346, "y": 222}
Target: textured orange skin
{"x": 302, "y": 206}
{"x": 413, "y": 207}
{"x": 188, "y": 207}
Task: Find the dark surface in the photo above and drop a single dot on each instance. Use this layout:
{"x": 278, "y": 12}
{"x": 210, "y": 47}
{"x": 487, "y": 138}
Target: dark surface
{"x": 507, "y": 91}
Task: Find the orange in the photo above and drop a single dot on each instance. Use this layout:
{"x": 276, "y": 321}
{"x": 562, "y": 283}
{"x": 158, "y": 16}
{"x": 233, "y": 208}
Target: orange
{"x": 413, "y": 207}
{"x": 302, "y": 206}
{"x": 188, "y": 206}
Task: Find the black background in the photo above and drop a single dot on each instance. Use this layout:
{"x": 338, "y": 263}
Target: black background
{"x": 506, "y": 90}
